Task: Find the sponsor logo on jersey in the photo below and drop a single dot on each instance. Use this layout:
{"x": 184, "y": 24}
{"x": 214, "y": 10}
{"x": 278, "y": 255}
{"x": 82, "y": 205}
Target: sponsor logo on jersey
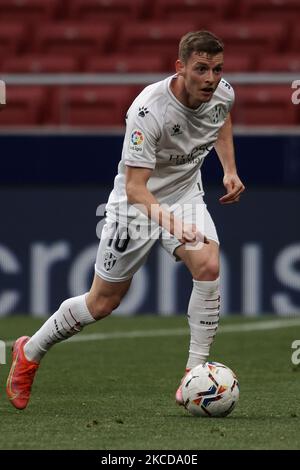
{"x": 195, "y": 157}
{"x": 137, "y": 141}
{"x": 176, "y": 130}
{"x": 217, "y": 114}
{"x": 109, "y": 260}
{"x": 143, "y": 111}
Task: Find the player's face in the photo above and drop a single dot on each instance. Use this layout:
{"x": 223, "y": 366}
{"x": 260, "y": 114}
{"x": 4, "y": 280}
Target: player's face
{"x": 201, "y": 73}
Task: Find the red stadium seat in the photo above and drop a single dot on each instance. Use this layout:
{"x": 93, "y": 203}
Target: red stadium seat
{"x": 13, "y": 38}
{"x": 279, "y": 63}
{"x": 201, "y": 11}
{"x": 73, "y": 38}
{"x": 40, "y": 64}
{"x": 25, "y": 106}
{"x": 248, "y": 37}
{"x": 105, "y": 10}
{"x": 28, "y": 10}
{"x": 278, "y": 10}
{"x": 153, "y": 37}
{"x": 264, "y": 105}
{"x": 295, "y": 40}
{"x": 238, "y": 63}
{"x": 124, "y": 63}
{"x": 91, "y": 106}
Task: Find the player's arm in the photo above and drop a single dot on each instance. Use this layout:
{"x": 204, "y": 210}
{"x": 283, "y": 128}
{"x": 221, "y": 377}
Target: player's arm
{"x": 225, "y": 150}
{"x": 139, "y": 194}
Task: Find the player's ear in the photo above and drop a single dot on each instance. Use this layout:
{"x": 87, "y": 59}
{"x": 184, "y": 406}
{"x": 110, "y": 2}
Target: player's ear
{"x": 180, "y": 67}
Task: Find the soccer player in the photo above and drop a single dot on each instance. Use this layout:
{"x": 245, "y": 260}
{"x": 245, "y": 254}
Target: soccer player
{"x": 171, "y": 126}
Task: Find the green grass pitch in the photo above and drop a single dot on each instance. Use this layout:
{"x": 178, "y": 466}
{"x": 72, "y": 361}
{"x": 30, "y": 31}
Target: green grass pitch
{"x": 117, "y": 392}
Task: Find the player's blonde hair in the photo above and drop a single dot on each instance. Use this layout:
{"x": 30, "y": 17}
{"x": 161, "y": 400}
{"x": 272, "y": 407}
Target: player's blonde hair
{"x": 199, "y": 41}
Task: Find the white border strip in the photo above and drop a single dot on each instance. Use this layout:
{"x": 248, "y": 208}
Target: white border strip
{"x": 138, "y": 78}
{"x": 240, "y": 328}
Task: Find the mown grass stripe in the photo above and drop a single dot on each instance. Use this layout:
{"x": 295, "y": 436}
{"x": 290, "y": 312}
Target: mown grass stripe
{"x": 240, "y": 328}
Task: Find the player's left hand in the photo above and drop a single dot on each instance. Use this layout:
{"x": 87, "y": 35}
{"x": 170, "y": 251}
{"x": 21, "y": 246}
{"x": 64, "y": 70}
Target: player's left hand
{"x": 234, "y": 188}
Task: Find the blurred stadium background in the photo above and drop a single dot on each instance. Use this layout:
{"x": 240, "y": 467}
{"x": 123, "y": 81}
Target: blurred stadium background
{"x": 72, "y": 67}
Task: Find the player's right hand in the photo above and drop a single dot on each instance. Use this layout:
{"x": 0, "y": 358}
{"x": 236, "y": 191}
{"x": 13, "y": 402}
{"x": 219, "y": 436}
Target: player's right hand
{"x": 191, "y": 234}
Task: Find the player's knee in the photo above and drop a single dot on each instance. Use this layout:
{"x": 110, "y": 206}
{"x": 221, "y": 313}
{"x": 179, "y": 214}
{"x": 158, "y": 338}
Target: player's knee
{"x": 206, "y": 271}
{"x": 213, "y": 269}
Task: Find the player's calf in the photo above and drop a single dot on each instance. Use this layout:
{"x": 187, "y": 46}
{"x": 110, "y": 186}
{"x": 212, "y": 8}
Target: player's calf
{"x": 103, "y": 306}
{"x": 105, "y": 296}
{"x": 72, "y": 315}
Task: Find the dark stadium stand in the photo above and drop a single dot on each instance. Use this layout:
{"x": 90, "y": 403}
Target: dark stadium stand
{"x": 27, "y": 106}
{"x": 295, "y": 37}
{"x": 62, "y": 30}
{"x": 153, "y": 37}
{"x": 73, "y": 38}
{"x": 31, "y": 11}
{"x": 279, "y": 63}
{"x": 279, "y": 10}
{"x": 13, "y": 39}
{"x": 34, "y": 63}
{"x": 238, "y": 63}
{"x": 80, "y": 106}
{"x": 106, "y": 10}
{"x": 265, "y": 105}
{"x": 251, "y": 37}
{"x": 126, "y": 36}
{"x": 124, "y": 63}
{"x": 189, "y": 10}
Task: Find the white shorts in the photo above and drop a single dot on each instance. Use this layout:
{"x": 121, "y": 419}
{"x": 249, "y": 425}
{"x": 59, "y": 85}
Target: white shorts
{"x": 122, "y": 250}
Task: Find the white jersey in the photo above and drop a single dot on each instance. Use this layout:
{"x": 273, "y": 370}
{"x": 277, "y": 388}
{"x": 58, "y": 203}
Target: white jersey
{"x": 171, "y": 139}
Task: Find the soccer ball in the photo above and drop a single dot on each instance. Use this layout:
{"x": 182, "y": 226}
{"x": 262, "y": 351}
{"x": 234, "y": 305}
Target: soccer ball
{"x": 210, "y": 390}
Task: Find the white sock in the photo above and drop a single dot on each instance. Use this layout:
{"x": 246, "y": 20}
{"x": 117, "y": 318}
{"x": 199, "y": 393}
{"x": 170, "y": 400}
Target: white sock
{"x": 68, "y": 320}
{"x": 203, "y": 316}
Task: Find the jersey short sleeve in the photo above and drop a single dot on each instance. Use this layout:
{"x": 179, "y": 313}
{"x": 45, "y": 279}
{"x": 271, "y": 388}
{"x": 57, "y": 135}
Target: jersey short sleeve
{"x": 227, "y": 93}
{"x": 142, "y": 134}
{"x": 231, "y": 100}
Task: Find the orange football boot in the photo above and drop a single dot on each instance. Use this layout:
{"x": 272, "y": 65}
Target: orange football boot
{"x": 21, "y": 375}
{"x": 178, "y": 394}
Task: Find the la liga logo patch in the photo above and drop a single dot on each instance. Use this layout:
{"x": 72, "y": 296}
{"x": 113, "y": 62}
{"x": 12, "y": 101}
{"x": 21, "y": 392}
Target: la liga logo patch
{"x": 137, "y": 138}
{"x": 137, "y": 141}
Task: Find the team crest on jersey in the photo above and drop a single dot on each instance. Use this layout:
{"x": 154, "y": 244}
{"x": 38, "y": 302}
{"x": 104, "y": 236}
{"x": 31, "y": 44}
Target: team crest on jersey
{"x": 109, "y": 260}
{"x": 217, "y": 114}
{"x": 176, "y": 130}
{"x": 137, "y": 140}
